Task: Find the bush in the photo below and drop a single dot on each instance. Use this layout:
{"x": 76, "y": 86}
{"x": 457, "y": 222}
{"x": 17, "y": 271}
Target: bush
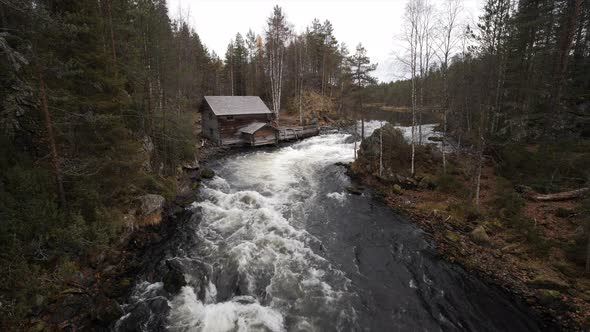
{"x": 464, "y": 211}
{"x": 577, "y": 248}
{"x": 551, "y": 167}
{"x": 509, "y": 205}
{"x": 449, "y": 184}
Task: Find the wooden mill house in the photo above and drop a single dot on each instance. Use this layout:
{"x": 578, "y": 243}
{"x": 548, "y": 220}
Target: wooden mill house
{"x": 245, "y": 120}
{"x": 237, "y": 120}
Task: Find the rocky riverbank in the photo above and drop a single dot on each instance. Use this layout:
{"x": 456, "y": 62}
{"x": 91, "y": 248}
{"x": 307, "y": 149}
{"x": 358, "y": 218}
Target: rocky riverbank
{"x": 528, "y": 260}
{"x": 104, "y": 278}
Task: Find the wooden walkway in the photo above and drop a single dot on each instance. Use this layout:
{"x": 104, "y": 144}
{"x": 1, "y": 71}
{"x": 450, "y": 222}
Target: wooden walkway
{"x": 292, "y": 133}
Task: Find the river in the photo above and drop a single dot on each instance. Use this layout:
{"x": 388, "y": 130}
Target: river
{"x": 279, "y": 245}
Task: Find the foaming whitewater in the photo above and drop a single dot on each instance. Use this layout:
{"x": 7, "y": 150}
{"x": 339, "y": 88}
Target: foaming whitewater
{"x": 253, "y": 224}
{"x": 428, "y": 130}
{"x": 275, "y": 243}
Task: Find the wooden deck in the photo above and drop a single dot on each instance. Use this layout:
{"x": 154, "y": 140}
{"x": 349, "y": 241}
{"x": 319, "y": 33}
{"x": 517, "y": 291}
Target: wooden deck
{"x": 293, "y": 133}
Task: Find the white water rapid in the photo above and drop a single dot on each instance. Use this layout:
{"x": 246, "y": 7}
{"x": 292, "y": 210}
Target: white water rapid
{"x": 276, "y": 243}
{"x": 253, "y": 223}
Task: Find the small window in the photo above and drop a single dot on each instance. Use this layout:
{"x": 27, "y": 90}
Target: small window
{"x": 211, "y": 131}
{"x": 229, "y": 118}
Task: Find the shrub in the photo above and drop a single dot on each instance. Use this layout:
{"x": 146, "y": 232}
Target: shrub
{"x": 509, "y": 205}
{"x": 507, "y": 202}
{"x": 577, "y": 248}
{"x": 449, "y": 184}
{"x": 553, "y": 166}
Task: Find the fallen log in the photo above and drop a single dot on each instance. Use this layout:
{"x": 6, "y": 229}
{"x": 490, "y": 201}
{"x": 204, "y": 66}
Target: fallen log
{"x": 562, "y": 196}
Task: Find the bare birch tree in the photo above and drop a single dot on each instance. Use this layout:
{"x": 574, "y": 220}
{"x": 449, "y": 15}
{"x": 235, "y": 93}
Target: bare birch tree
{"x": 381, "y": 150}
{"x": 410, "y": 38}
{"x": 277, "y": 34}
{"x": 425, "y": 52}
{"x": 448, "y": 40}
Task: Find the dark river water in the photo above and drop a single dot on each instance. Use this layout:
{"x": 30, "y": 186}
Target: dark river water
{"x": 280, "y": 245}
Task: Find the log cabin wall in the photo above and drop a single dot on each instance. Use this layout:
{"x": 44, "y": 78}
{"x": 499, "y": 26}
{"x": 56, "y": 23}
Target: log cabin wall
{"x": 229, "y": 126}
{"x": 209, "y": 123}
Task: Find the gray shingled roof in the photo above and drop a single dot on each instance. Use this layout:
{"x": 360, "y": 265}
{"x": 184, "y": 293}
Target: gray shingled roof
{"x": 236, "y": 105}
{"x": 253, "y": 127}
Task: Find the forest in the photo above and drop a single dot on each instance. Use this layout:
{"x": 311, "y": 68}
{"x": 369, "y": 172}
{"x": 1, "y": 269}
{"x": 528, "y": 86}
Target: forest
{"x": 99, "y": 100}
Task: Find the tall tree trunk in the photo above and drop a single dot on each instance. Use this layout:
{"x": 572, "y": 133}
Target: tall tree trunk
{"x": 412, "y": 168}
{"x": 148, "y": 86}
{"x": 479, "y": 168}
{"x": 231, "y": 70}
{"x": 355, "y": 135}
{"x": 51, "y": 140}
{"x": 112, "y": 28}
{"x": 362, "y": 117}
{"x": 570, "y": 21}
{"x": 444, "y": 138}
{"x": 381, "y": 150}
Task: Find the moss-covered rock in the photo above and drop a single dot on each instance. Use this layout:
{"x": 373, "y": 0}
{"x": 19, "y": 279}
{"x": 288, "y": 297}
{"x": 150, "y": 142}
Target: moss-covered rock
{"x": 207, "y": 173}
{"x": 452, "y": 237}
{"x": 547, "y": 296}
{"x": 396, "y": 189}
{"x": 427, "y": 183}
{"x": 479, "y": 235}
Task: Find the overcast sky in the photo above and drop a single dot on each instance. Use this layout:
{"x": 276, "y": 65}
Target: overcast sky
{"x": 375, "y": 23}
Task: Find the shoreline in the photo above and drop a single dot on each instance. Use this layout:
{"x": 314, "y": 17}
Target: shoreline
{"x": 453, "y": 242}
{"x": 135, "y": 253}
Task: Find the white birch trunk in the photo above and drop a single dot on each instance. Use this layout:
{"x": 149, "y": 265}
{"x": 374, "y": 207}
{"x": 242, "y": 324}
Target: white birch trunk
{"x": 381, "y": 150}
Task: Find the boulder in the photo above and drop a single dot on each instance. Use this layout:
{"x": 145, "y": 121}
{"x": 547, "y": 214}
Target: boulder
{"x": 149, "y": 209}
{"x": 554, "y": 300}
{"x": 106, "y": 310}
{"x": 404, "y": 182}
{"x": 207, "y": 173}
{"x": 355, "y": 190}
{"x": 118, "y": 288}
{"x": 174, "y": 279}
{"x": 199, "y": 273}
{"x": 426, "y": 183}
{"x": 396, "y": 189}
{"x": 452, "y": 237}
{"x": 192, "y": 166}
{"x": 192, "y": 169}
{"x": 548, "y": 297}
{"x": 479, "y": 235}
{"x": 136, "y": 319}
